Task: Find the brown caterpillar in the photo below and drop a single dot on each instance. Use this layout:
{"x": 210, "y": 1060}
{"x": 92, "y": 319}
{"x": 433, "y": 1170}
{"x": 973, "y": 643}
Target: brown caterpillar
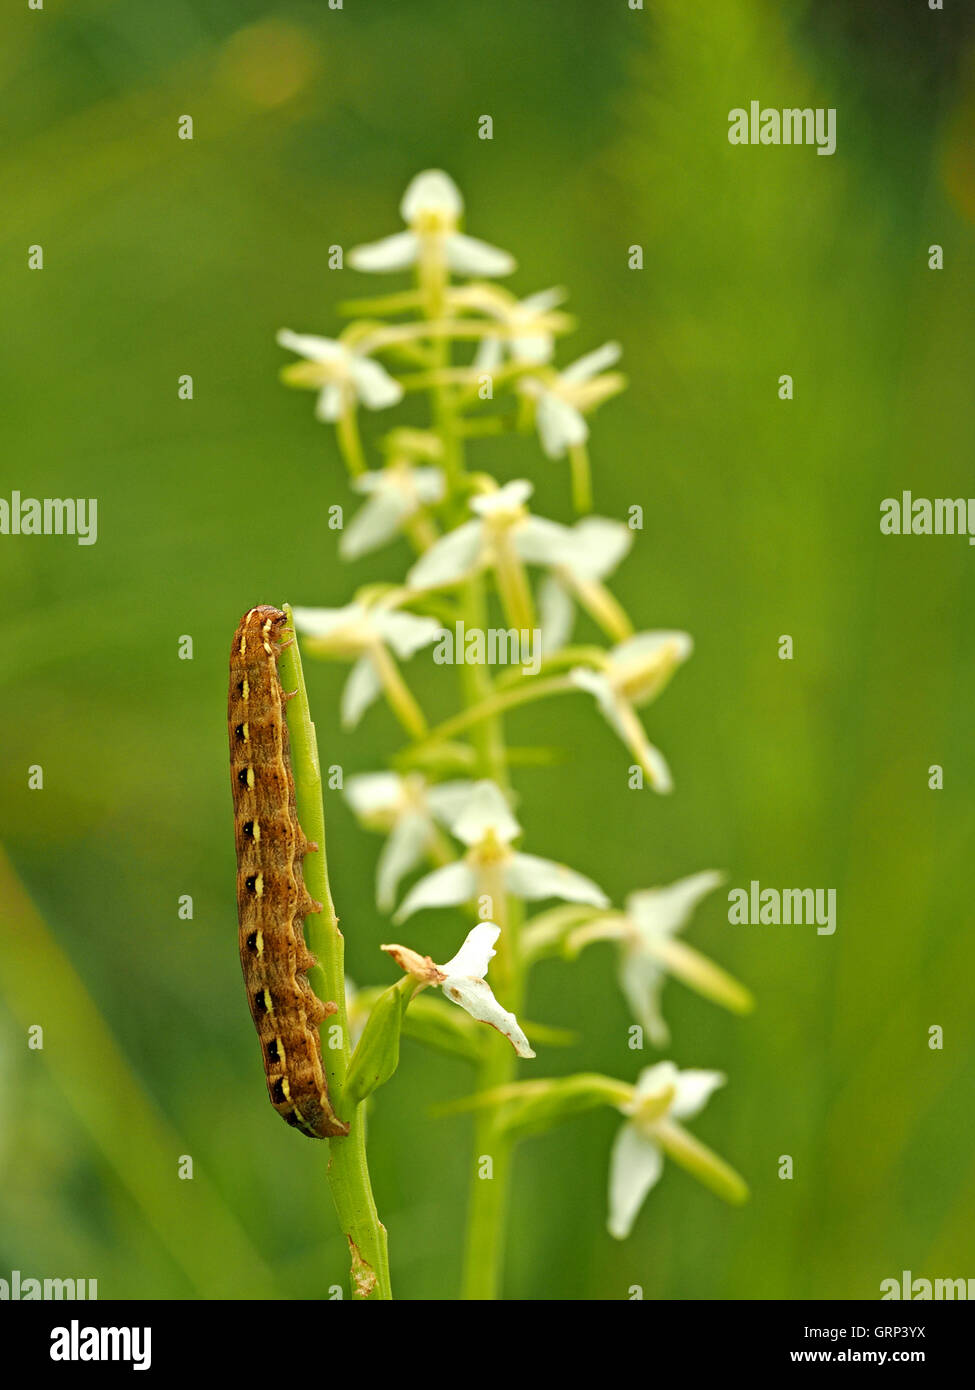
{"x": 272, "y": 898}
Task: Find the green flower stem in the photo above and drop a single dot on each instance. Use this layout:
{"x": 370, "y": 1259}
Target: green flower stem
{"x": 487, "y": 1208}
{"x": 531, "y": 689}
{"x": 488, "y": 1203}
{"x": 348, "y": 1173}
{"x": 350, "y": 442}
{"x": 581, "y": 478}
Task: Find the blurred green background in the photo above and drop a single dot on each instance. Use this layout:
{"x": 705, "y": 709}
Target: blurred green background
{"x": 164, "y": 257}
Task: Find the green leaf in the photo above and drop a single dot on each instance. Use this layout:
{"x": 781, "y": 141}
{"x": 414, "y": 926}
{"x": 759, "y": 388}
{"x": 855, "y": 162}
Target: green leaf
{"x": 377, "y": 1055}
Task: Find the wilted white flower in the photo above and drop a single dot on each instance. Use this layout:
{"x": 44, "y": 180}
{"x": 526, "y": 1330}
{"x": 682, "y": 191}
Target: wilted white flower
{"x": 404, "y": 808}
{"x": 635, "y": 672}
{"x": 645, "y": 932}
{"x": 483, "y": 821}
{"x": 563, "y": 399}
{"x": 462, "y": 981}
{"x": 394, "y": 494}
{"x": 342, "y": 376}
{"x": 364, "y": 635}
{"x": 599, "y": 546}
{"x": 662, "y": 1096}
{"x": 504, "y": 530}
{"x": 432, "y": 208}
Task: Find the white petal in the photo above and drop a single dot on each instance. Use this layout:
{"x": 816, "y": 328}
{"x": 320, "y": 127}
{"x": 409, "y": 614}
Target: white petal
{"x": 374, "y": 793}
{"x": 542, "y": 542}
{"x": 560, "y": 425}
{"x": 653, "y": 1081}
{"x": 694, "y": 1090}
{"x": 663, "y": 911}
{"x": 529, "y": 877}
{"x": 449, "y": 559}
{"x": 656, "y": 767}
{"x": 447, "y": 799}
{"x": 333, "y": 622}
{"x": 601, "y": 545}
{"x": 445, "y": 887}
{"x": 400, "y": 854}
{"x": 641, "y": 980}
{"x": 431, "y": 191}
{"x": 593, "y": 362}
{"x": 406, "y": 633}
{"x": 429, "y": 484}
{"x": 477, "y": 997}
{"x": 484, "y": 811}
{"x": 331, "y": 402}
{"x": 373, "y": 525}
{"x": 543, "y": 300}
{"x": 359, "y": 692}
{"x": 556, "y": 613}
{"x": 648, "y": 646}
{"x": 635, "y": 1166}
{"x": 376, "y": 388}
{"x": 597, "y": 685}
{"x": 477, "y": 952}
{"x": 506, "y": 499}
{"x": 466, "y": 255}
{"x": 316, "y": 349}
{"x": 396, "y": 252}
{"x": 532, "y": 347}
{"x": 488, "y": 356}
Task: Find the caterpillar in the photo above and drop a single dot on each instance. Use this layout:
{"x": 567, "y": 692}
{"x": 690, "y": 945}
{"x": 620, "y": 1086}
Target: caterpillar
{"x": 272, "y": 899}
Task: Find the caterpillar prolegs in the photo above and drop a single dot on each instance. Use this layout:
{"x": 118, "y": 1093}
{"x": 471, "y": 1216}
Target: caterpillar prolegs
{"x": 272, "y": 899}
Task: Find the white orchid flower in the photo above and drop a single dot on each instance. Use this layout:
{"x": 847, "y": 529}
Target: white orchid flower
{"x": 645, "y": 932}
{"x": 365, "y": 636}
{"x": 462, "y": 981}
{"x": 529, "y": 324}
{"x": 563, "y": 399}
{"x": 394, "y": 495}
{"x": 406, "y": 810}
{"x": 661, "y": 1097}
{"x": 600, "y": 545}
{"x": 342, "y": 376}
{"x": 483, "y": 821}
{"x": 634, "y": 673}
{"x": 432, "y": 208}
{"x": 504, "y": 533}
